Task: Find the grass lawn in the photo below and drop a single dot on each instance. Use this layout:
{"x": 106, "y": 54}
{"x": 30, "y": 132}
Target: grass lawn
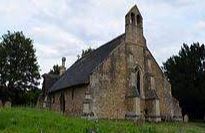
{"x": 28, "y": 120}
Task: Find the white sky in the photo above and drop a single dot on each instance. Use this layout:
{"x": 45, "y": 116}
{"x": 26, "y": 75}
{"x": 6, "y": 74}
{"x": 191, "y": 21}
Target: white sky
{"x": 65, "y": 27}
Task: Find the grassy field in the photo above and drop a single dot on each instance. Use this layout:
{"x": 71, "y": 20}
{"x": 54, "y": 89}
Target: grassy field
{"x": 27, "y": 120}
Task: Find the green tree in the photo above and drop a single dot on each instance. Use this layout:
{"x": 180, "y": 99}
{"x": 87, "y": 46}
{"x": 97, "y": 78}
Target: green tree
{"x": 19, "y": 70}
{"x": 85, "y": 52}
{"x": 186, "y": 72}
{"x": 55, "y": 70}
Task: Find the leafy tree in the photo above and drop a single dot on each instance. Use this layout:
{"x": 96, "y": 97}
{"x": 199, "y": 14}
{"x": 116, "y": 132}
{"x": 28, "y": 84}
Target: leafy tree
{"x": 55, "y": 70}
{"x": 31, "y": 97}
{"x": 19, "y": 70}
{"x": 85, "y": 52}
{"x": 186, "y": 72}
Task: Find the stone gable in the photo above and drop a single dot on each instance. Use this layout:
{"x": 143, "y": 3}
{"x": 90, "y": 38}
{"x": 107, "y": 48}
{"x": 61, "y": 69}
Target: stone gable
{"x": 119, "y": 80}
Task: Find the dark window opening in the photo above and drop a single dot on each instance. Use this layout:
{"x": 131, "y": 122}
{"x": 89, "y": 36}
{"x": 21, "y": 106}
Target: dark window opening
{"x": 138, "y": 81}
{"x": 139, "y": 20}
{"x": 146, "y": 112}
{"x": 132, "y": 18}
{"x": 72, "y": 94}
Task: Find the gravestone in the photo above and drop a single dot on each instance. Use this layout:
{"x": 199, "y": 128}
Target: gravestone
{"x": 186, "y": 118}
{"x": 1, "y": 104}
{"x": 7, "y": 104}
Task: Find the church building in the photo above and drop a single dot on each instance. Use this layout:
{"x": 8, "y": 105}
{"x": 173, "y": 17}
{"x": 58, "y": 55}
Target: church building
{"x": 119, "y": 80}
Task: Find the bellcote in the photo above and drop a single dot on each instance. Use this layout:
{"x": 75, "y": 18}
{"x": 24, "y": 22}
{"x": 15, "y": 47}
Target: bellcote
{"x": 134, "y": 17}
{"x": 134, "y": 26}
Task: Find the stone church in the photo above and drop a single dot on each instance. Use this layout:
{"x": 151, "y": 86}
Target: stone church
{"x": 119, "y": 80}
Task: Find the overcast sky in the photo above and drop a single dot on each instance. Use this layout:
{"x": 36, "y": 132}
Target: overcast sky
{"x": 65, "y": 27}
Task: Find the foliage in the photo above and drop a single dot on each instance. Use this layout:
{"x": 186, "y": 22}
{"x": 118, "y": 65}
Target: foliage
{"x": 30, "y": 97}
{"x": 55, "y": 70}
{"x": 85, "y": 52}
{"x": 23, "y": 120}
{"x": 19, "y": 70}
{"x": 186, "y": 72}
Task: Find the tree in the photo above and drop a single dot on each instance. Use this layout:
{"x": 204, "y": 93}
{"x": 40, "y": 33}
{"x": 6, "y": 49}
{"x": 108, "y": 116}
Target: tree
{"x": 19, "y": 70}
{"x": 85, "y": 52}
{"x": 55, "y": 70}
{"x": 186, "y": 72}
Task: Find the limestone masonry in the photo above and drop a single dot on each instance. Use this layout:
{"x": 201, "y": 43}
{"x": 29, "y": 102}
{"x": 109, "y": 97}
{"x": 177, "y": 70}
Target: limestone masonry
{"x": 119, "y": 80}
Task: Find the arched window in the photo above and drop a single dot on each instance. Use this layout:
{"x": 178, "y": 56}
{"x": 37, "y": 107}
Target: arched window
{"x": 133, "y": 21}
{"x": 138, "y": 81}
{"x": 139, "y": 20}
{"x": 135, "y": 81}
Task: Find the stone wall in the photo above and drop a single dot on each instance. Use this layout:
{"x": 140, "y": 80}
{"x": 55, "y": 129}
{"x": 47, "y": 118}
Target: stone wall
{"x": 177, "y": 112}
{"x": 108, "y": 86}
{"x": 135, "y": 63}
{"x": 74, "y": 104}
{"x": 163, "y": 90}
{"x": 152, "y": 110}
{"x": 74, "y": 98}
{"x": 55, "y": 101}
{"x": 159, "y": 86}
{"x": 119, "y": 85}
{"x": 135, "y": 60}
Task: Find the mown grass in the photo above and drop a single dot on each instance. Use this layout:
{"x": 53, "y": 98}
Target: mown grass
{"x": 28, "y": 120}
